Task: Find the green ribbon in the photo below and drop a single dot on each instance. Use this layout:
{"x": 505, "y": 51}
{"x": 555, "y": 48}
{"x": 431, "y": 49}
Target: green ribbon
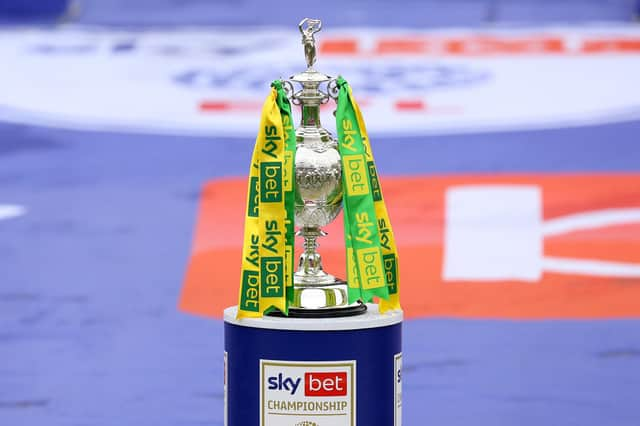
{"x": 365, "y": 269}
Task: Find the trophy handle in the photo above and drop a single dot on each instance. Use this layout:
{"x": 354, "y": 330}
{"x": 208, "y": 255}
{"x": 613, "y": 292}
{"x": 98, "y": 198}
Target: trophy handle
{"x": 290, "y": 92}
{"x": 332, "y": 89}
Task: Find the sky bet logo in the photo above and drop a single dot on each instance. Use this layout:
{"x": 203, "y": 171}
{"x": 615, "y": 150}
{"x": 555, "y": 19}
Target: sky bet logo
{"x": 315, "y": 383}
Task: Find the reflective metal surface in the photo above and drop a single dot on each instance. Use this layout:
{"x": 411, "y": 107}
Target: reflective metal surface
{"x": 309, "y": 42}
{"x": 318, "y": 181}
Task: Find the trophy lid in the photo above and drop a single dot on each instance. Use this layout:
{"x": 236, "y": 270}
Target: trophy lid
{"x": 310, "y": 79}
{"x": 310, "y": 76}
{"x": 308, "y": 27}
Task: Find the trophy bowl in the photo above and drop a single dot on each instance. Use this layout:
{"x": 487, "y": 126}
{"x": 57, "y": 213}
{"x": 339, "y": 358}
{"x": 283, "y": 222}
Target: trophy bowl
{"x": 318, "y": 180}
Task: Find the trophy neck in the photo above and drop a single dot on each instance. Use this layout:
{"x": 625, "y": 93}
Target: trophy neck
{"x": 310, "y": 116}
{"x": 310, "y": 97}
{"x": 310, "y": 132}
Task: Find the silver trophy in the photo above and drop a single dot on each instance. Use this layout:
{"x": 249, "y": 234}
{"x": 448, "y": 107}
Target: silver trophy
{"x": 318, "y": 173}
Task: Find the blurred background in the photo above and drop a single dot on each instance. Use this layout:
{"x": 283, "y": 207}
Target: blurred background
{"x": 507, "y": 137}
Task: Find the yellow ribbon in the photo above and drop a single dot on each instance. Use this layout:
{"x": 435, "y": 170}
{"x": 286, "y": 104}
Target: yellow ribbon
{"x": 264, "y": 256}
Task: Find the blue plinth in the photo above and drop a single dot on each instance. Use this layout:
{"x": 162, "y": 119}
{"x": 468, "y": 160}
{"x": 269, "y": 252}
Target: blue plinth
{"x": 308, "y": 372}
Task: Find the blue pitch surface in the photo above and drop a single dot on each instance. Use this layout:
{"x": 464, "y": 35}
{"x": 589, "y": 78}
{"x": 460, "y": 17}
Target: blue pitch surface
{"x": 90, "y": 276}
{"x": 92, "y": 273}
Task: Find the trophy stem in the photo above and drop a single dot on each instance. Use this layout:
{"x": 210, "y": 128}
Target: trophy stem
{"x": 310, "y": 271}
{"x": 311, "y": 239}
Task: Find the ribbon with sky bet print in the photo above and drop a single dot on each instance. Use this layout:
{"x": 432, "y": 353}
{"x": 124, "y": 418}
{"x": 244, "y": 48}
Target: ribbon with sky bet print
{"x": 372, "y": 256}
{"x": 268, "y": 254}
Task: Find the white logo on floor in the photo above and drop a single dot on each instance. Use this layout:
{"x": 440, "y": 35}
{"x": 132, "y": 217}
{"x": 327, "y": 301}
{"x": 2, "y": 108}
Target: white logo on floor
{"x": 497, "y": 232}
{"x": 10, "y": 211}
{"x": 213, "y": 82}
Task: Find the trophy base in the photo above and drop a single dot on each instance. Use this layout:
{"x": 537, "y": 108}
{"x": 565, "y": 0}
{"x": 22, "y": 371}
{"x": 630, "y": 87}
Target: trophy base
{"x": 327, "y": 299}
{"x": 354, "y": 309}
